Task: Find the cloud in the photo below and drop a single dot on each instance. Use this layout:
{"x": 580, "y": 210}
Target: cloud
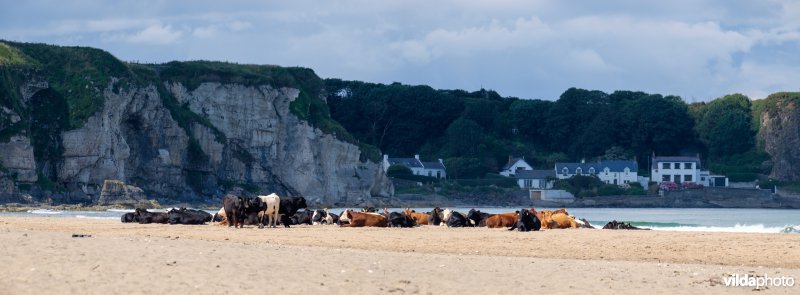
{"x": 154, "y": 34}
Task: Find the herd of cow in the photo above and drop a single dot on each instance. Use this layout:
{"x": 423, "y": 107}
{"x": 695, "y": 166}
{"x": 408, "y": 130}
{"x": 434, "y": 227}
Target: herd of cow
{"x": 272, "y": 210}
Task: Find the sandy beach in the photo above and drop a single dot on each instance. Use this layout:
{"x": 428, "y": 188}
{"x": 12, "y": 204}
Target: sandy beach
{"x": 41, "y": 256}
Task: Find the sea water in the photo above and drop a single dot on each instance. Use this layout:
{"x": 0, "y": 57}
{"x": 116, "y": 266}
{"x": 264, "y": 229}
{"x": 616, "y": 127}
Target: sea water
{"x": 672, "y": 219}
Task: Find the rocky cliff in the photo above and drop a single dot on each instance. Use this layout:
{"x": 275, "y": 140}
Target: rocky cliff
{"x": 187, "y": 132}
{"x": 779, "y": 133}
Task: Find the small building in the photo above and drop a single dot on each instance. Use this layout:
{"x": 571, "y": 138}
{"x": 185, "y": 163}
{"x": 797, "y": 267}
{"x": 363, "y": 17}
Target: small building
{"x": 618, "y": 172}
{"x": 684, "y": 169}
{"x": 536, "y": 179}
{"x": 514, "y": 165}
{"x": 432, "y": 169}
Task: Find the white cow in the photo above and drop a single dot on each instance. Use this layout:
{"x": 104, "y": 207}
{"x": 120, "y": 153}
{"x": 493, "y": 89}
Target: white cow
{"x": 273, "y": 203}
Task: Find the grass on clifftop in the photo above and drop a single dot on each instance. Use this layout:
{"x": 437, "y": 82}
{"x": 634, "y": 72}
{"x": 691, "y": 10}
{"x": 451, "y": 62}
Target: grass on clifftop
{"x": 78, "y": 73}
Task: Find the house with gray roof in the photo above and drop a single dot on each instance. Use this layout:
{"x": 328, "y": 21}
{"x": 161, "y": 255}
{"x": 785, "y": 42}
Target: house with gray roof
{"x": 432, "y": 169}
{"x": 619, "y": 172}
{"x": 683, "y": 169}
{"x": 514, "y": 165}
{"x": 535, "y": 179}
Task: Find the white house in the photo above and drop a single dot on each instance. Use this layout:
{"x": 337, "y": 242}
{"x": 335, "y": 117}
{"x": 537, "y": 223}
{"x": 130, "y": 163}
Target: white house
{"x": 619, "y": 172}
{"x": 514, "y": 165}
{"x": 683, "y": 169}
{"x": 535, "y": 179}
{"x": 432, "y": 169}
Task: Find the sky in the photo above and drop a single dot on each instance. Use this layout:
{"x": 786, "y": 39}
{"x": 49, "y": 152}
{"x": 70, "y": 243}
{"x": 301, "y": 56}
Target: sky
{"x": 696, "y": 49}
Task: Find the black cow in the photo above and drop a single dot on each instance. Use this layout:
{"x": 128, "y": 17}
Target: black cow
{"x": 129, "y": 217}
{"x": 435, "y": 217}
{"x": 621, "y": 225}
{"x": 188, "y": 216}
{"x": 234, "y": 210}
{"x": 527, "y": 221}
{"x": 302, "y": 217}
{"x": 145, "y": 217}
{"x": 478, "y": 218}
{"x": 457, "y": 220}
{"x": 289, "y": 206}
{"x": 397, "y": 219}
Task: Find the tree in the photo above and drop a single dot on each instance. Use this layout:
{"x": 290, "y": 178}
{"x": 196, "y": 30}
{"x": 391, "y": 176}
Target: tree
{"x": 724, "y": 125}
{"x": 463, "y": 137}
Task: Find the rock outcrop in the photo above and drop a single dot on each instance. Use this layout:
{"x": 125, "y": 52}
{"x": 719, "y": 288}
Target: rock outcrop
{"x": 117, "y": 193}
{"x": 780, "y": 134}
{"x": 181, "y": 137}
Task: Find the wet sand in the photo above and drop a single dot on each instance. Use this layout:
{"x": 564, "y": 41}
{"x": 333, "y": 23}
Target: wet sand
{"x": 41, "y": 257}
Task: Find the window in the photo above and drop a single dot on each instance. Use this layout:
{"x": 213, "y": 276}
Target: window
{"x": 687, "y": 165}
{"x": 564, "y": 171}
{"x": 627, "y": 170}
{"x": 579, "y": 171}
{"x": 528, "y": 183}
{"x": 430, "y": 173}
{"x": 438, "y": 174}
{"x": 665, "y": 165}
{"x": 591, "y": 170}
{"x": 702, "y": 179}
{"x": 665, "y": 178}
{"x": 687, "y": 178}
{"x": 677, "y": 178}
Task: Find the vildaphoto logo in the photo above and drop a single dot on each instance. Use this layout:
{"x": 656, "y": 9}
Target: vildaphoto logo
{"x": 747, "y": 280}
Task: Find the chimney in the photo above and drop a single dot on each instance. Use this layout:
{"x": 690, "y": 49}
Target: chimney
{"x": 583, "y": 160}
{"x": 416, "y": 157}
{"x": 442, "y": 162}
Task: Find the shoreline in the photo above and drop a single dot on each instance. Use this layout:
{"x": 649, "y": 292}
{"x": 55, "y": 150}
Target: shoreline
{"x": 429, "y": 259}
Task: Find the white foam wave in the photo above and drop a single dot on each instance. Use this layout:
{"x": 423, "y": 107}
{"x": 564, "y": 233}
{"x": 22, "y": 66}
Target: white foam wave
{"x": 97, "y": 217}
{"x": 44, "y": 211}
{"x": 120, "y": 210}
{"x": 738, "y": 228}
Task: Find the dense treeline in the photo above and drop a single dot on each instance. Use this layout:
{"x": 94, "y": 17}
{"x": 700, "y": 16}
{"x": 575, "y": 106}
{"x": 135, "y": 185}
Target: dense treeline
{"x": 476, "y": 131}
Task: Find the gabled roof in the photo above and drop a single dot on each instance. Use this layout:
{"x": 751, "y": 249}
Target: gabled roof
{"x": 613, "y": 166}
{"x": 408, "y": 162}
{"x": 676, "y": 159}
{"x": 535, "y": 174}
{"x": 513, "y": 161}
{"x": 433, "y": 165}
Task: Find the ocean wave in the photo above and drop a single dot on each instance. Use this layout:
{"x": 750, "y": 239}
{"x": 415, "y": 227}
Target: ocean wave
{"x": 738, "y": 228}
{"x": 120, "y": 210}
{"x": 97, "y": 217}
{"x": 44, "y": 211}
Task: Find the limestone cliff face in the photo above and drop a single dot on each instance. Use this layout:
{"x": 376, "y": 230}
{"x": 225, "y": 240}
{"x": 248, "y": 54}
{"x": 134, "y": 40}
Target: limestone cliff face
{"x": 268, "y": 145}
{"x": 780, "y": 134}
{"x": 253, "y": 141}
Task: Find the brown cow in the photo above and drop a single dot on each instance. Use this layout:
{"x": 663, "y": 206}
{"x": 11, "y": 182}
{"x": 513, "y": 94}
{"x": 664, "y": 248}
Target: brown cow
{"x": 502, "y": 220}
{"x": 359, "y": 219}
{"x": 555, "y": 219}
{"x": 419, "y": 218}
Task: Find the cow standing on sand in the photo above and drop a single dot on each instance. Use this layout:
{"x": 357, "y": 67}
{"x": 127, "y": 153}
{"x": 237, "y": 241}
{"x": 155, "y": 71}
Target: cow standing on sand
{"x": 273, "y": 206}
{"x": 288, "y": 207}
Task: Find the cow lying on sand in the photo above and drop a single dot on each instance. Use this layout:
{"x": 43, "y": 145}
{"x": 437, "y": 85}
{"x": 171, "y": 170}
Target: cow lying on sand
{"x": 502, "y": 220}
{"x": 527, "y": 221}
{"x": 360, "y": 219}
{"x": 621, "y": 225}
{"x": 555, "y": 219}
{"x": 150, "y": 217}
{"x": 188, "y": 216}
{"x": 419, "y": 218}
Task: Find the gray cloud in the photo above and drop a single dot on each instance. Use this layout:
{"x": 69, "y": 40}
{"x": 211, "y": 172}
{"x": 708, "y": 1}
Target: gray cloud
{"x": 531, "y": 49}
